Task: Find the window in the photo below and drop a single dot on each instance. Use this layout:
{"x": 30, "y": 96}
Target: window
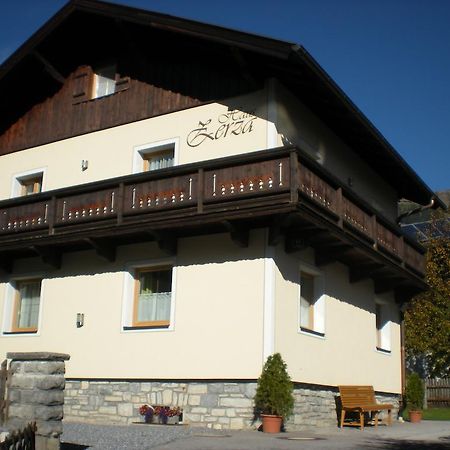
{"x": 152, "y": 301}
{"x": 105, "y": 80}
{"x": 27, "y": 298}
{"x": 31, "y": 185}
{"x": 311, "y": 303}
{"x": 158, "y": 160}
{"x": 383, "y": 327}
{"x": 158, "y": 155}
{"x": 27, "y": 183}
{"x": 307, "y": 301}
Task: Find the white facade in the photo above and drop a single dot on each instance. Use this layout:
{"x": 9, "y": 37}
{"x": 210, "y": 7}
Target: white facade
{"x": 231, "y": 307}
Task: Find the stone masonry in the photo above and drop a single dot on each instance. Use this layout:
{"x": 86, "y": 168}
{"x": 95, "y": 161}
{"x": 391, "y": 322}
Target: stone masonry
{"x": 217, "y": 405}
{"x": 36, "y": 394}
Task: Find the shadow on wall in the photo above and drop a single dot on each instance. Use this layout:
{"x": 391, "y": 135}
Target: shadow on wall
{"x": 337, "y": 282}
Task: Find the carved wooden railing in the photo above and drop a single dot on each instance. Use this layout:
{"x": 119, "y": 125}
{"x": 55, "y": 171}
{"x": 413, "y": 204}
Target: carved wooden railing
{"x": 358, "y": 217}
{"x": 203, "y": 187}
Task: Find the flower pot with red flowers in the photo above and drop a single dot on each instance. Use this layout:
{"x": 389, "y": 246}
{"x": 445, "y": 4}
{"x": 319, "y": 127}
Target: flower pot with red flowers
{"x": 274, "y": 399}
{"x": 164, "y": 415}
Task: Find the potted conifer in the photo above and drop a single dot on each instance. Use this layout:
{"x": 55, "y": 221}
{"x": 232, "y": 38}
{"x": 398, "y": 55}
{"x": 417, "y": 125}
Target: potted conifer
{"x": 274, "y": 399}
{"x": 414, "y": 397}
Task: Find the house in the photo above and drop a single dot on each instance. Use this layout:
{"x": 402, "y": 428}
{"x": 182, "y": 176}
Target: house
{"x": 181, "y": 200}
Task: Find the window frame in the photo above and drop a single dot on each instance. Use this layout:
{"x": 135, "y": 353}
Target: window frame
{"x": 17, "y": 185}
{"x": 10, "y": 311}
{"x": 130, "y": 289}
{"x": 317, "y": 310}
{"x": 152, "y": 323}
{"x": 383, "y": 332}
{"x": 141, "y": 153}
{"x": 97, "y": 75}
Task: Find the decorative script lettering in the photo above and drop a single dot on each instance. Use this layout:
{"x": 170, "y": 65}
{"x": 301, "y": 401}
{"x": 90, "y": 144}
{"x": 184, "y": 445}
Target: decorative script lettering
{"x": 232, "y": 123}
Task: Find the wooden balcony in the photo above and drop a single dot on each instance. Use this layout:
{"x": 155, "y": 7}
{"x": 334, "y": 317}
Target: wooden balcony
{"x": 281, "y": 189}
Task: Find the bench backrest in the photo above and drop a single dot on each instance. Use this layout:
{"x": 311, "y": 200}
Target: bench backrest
{"x": 354, "y": 396}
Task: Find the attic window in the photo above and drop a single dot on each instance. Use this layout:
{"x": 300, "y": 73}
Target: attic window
{"x": 105, "y": 81}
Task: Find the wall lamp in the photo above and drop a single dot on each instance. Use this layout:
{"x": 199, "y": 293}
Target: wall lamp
{"x": 80, "y": 320}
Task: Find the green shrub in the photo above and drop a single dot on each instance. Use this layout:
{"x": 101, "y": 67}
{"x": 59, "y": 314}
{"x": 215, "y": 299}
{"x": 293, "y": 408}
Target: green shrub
{"x": 274, "y": 393}
{"x": 414, "y": 392}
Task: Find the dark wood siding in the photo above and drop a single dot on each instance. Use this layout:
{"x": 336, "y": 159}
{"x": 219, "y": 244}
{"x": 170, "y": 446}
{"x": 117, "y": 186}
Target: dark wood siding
{"x": 143, "y": 91}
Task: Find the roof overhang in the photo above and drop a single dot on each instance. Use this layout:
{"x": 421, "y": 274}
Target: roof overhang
{"x": 288, "y": 62}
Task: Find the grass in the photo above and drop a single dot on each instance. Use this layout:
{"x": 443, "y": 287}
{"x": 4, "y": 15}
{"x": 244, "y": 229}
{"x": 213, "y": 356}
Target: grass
{"x": 432, "y": 414}
{"x": 436, "y": 414}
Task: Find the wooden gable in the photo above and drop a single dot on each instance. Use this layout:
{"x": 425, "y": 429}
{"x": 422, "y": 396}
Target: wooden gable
{"x": 155, "y": 74}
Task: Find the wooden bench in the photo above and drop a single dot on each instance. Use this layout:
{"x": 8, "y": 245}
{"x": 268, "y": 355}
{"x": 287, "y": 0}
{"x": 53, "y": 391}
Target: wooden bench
{"x": 361, "y": 399}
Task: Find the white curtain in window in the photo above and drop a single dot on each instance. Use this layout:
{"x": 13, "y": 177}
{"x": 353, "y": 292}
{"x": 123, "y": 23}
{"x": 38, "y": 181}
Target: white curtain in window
{"x": 160, "y": 161}
{"x": 30, "y": 294}
{"x": 307, "y": 299}
{"x": 304, "y": 313}
{"x": 154, "y": 307}
{"x": 105, "y": 86}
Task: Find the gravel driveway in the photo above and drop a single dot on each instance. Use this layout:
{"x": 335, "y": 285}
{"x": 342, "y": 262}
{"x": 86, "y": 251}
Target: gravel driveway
{"x": 79, "y": 436}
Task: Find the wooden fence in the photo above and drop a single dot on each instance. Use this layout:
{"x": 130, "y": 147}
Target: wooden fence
{"x": 21, "y": 440}
{"x": 437, "y": 392}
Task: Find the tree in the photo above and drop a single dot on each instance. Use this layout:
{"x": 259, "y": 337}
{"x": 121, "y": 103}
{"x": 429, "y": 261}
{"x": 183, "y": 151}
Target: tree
{"x": 274, "y": 393}
{"x": 427, "y": 319}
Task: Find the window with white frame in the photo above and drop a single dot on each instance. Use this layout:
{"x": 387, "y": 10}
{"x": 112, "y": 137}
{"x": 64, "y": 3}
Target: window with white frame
{"x": 153, "y": 295}
{"x": 311, "y": 302}
{"x": 22, "y": 306}
{"x": 155, "y": 156}
{"x": 148, "y": 297}
{"x": 28, "y": 183}
{"x": 104, "y": 80}
{"x": 383, "y": 326}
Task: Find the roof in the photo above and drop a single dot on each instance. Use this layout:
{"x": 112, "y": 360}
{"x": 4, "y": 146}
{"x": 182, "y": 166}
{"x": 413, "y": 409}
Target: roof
{"x": 261, "y": 56}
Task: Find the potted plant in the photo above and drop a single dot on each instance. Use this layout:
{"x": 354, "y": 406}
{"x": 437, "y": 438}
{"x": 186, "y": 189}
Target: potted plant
{"x": 274, "y": 399}
{"x": 414, "y": 397}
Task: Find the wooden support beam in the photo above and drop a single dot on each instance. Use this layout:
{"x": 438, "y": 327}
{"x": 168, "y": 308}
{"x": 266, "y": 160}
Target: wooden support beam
{"x": 405, "y": 293}
{"x": 328, "y": 255}
{"x": 278, "y": 227}
{"x": 54, "y": 73}
{"x": 6, "y": 264}
{"x": 49, "y": 255}
{"x": 387, "y": 284}
{"x": 363, "y": 272}
{"x": 104, "y": 248}
{"x": 239, "y": 234}
{"x": 294, "y": 243}
{"x": 167, "y": 242}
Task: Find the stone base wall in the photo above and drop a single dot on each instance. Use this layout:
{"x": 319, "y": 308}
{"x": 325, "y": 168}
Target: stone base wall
{"x": 217, "y": 405}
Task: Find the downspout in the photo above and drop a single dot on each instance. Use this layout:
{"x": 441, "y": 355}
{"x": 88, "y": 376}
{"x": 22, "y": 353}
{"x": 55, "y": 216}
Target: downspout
{"x": 403, "y": 361}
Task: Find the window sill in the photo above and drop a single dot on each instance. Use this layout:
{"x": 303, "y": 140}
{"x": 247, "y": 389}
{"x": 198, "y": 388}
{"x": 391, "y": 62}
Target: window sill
{"x": 15, "y": 333}
{"x": 147, "y": 328}
{"x": 383, "y": 351}
{"x": 312, "y": 333}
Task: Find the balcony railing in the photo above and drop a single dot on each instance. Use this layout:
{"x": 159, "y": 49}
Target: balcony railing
{"x": 269, "y": 178}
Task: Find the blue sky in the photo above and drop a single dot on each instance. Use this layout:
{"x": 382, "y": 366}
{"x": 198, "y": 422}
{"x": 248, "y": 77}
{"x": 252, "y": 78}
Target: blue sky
{"x": 391, "y": 57}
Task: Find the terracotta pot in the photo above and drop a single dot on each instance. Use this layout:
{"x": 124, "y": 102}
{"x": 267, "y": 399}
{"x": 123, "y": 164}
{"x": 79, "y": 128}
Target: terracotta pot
{"x": 271, "y": 424}
{"x": 415, "y": 416}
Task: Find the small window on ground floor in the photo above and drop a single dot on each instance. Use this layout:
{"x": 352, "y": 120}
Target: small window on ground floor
{"x": 153, "y": 296}
{"x": 24, "y": 304}
{"x": 311, "y": 302}
{"x": 383, "y": 327}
